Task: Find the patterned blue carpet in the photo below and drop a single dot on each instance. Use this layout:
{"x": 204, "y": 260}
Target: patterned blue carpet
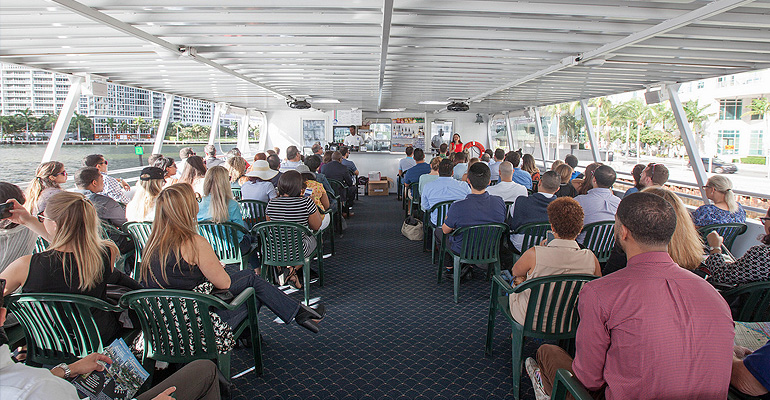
{"x": 390, "y": 330}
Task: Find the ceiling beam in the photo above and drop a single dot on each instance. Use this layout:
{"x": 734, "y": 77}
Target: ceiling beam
{"x": 709, "y": 10}
{"x": 387, "y": 16}
{"x": 114, "y": 23}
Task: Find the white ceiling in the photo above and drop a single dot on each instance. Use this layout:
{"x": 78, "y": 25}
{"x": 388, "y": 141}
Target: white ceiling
{"x": 503, "y": 55}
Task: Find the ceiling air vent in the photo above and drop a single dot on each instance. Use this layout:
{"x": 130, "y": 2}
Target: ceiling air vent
{"x": 457, "y": 106}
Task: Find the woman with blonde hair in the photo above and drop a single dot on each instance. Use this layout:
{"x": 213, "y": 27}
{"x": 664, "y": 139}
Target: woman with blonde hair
{"x": 236, "y": 168}
{"x": 77, "y": 261}
{"x": 193, "y": 173}
{"x": 142, "y": 205}
{"x": 556, "y": 164}
{"x": 565, "y": 187}
{"x": 218, "y": 205}
{"x": 49, "y": 177}
{"x": 177, "y": 257}
{"x": 725, "y": 209}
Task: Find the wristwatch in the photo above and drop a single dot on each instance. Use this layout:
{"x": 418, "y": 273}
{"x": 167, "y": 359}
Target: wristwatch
{"x": 64, "y": 367}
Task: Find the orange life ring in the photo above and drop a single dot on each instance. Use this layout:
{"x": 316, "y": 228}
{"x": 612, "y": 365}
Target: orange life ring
{"x": 476, "y": 145}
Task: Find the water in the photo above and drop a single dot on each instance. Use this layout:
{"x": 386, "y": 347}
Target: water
{"x": 20, "y": 161}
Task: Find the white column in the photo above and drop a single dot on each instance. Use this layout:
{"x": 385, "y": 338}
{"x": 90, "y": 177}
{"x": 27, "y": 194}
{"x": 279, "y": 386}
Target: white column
{"x": 217, "y": 115}
{"x": 490, "y": 140}
{"x": 539, "y": 129}
{"x": 688, "y": 138}
{"x": 243, "y": 133}
{"x": 161, "y": 134}
{"x": 512, "y": 142}
{"x": 263, "y": 130}
{"x": 63, "y": 122}
{"x": 590, "y": 131}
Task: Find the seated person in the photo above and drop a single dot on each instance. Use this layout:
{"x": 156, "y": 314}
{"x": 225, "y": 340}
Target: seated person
{"x": 432, "y": 176}
{"x": 420, "y": 168}
{"x": 494, "y": 165}
{"x": 345, "y": 152}
{"x": 116, "y": 189}
{"x": 637, "y": 174}
{"x": 142, "y": 205}
{"x": 293, "y": 159}
{"x": 751, "y": 370}
{"x": 477, "y": 208}
{"x": 218, "y": 205}
{"x": 599, "y": 204}
{"x": 315, "y": 190}
{"x": 49, "y": 176}
{"x": 519, "y": 175}
{"x": 15, "y": 240}
{"x": 460, "y": 165}
{"x": 275, "y": 163}
{"x": 725, "y": 209}
{"x": 566, "y": 189}
{"x": 313, "y": 162}
{"x": 531, "y": 209}
{"x": 335, "y": 170}
{"x": 90, "y": 183}
{"x": 753, "y": 266}
{"x": 259, "y": 187}
{"x": 78, "y": 261}
{"x": 407, "y": 162}
{"x": 177, "y": 257}
{"x": 572, "y": 161}
{"x": 507, "y": 189}
{"x": 653, "y": 175}
{"x": 562, "y": 255}
{"x": 444, "y": 188}
{"x": 651, "y": 330}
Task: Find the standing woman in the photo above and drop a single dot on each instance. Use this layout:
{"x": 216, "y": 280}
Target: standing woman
{"x": 78, "y": 260}
{"x": 586, "y": 185}
{"x": 194, "y": 173}
{"x": 168, "y": 166}
{"x": 218, "y": 204}
{"x": 725, "y": 209}
{"x": 49, "y": 177}
{"x": 177, "y": 257}
{"x": 292, "y": 206}
{"x": 457, "y": 145}
{"x": 236, "y": 168}
{"x": 142, "y": 205}
{"x": 528, "y": 164}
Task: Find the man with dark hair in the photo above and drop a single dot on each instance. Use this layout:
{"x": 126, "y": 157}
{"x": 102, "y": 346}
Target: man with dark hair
{"x": 407, "y": 162}
{"x": 211, "y": 159}
{"x": 335, "y": 170}
{"x": 534, "y": 208}
{"x": 352, "y": 140}
{"x": 293, "y": 159}
{"x": 599, "y": 204}
{"x": 115, "y": 188}
{"x": 419, "y": 169}
{"x": 442, "y": 150}
{"x": 275, "y": 164}
{"x": 477, "y": 208}
{"x": 444, "y": 188}
{"x": 345, "y": 152}
{"x": 519, "y": 175}
{"x": 652, "y": 330}
{"x": 494, "y": 166}
{"x": 572, "y": 161}
{"x": 654, "y": 175}
{"x": 90, "y": 183}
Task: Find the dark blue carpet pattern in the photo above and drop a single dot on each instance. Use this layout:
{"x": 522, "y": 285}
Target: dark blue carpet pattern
{"x": 390, "y": 331}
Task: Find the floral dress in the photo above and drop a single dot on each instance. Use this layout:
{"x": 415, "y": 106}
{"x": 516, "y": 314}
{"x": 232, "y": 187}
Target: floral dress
{"x": 710, "y": 214}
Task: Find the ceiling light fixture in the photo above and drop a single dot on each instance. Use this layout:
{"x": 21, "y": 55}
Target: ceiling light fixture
{"x": 326, "y": 101}
{"x": 433, "y": 102}
{"x": 393, "y": 109}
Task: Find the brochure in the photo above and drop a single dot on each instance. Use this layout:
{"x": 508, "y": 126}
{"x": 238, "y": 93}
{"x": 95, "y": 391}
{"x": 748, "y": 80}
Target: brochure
{"x": 119, "y": 380}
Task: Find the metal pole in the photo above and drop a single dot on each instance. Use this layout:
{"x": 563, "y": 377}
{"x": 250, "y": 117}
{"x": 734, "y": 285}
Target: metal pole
{"x": 161, "y": 134}
{"x": 688, "y": 138}
{"x": 63, "y": 122}
{"x": 243, "y": 133}
{"x": 489, "y": 133}
{"x": 216, "y": 116}
{"x": 539, "y": 128}
{"x": 590, "y": 131}
{"x": 512, "y": 144}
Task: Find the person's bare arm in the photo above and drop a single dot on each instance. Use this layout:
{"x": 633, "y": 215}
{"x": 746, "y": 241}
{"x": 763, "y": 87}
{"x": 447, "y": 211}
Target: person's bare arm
{"x": 524, "y": 264}
{"x": 15, "y": 274}
{"x": 315, "y": 220}
{"x": 20, "y": 215}
{"x": 744, "y": 381}
{"x": 209, "y": 264}
{"x": 325, "y": 201}
{"x": 446, "y": 229}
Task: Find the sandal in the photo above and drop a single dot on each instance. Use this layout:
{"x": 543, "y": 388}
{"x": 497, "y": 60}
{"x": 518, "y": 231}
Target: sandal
{"x": 293, "y": 279}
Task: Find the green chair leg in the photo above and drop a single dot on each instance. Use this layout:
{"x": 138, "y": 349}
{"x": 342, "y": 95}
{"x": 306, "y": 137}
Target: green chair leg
{"x": 517, "y": 347}
{"x": 456, "y": 273}
{"x": 306, "y": 278}
{"x": 223, "y": 362}
{"x": 491, "y": 319}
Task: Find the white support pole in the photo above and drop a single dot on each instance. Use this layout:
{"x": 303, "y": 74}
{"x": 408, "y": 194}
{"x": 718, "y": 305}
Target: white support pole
{"x": 263, "y": 131}
{"x": 590, "y": 131}
{"x": 539, "y": 129}
{"x": 215, "y": 117}
{"x": 161, "y": 134}
{"x": 63, "y": 122}
{"x": 243, "y": 133}
{"x": 490, "y": 139}
{"x": 512, "y": 144}
{"x": 688, "y": 138}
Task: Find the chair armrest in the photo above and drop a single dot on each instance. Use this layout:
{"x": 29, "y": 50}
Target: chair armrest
{"x": 565, "y": 383}
{"x": 503, "y": 284}
{"x": 241, "y": 298}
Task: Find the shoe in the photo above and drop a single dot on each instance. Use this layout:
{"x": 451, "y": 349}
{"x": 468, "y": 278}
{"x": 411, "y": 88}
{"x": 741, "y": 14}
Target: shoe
{"x": 309, "y": 318}
{"x": 533, "y": 370}
{"x": 293, "y": 279}
{"x": 466, "y": 273}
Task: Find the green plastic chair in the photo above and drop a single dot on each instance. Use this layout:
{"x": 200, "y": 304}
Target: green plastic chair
{"x": 480, "y": 245}
{"x": 140, "y": 233}
{"x": 223, "y": 238}
{"x": 198, "y": 341}
{"x": 551, "y": 313}
{"x": 414, "y": 203}
{"x": 282, "y": 247}
{"x": 729, "y": 232}
{"x": 236, "y": 193}
{"x": 339, "y": 188}
{"x": 336, "y": 213}
{"x": 329, "y": 229}
{"x": 566, "y": 383}
{"x": 600, "y": 238}
{"x": 253, "y": 211}
{"x": 441, "y": 210}
{"x": 59, "y": 328}
{"x": 41, "y": 245}
{"x": 754, "y": 299}
{"x": 508, "y": 206}
{"x": 534, "y": 234}
{"x": 735, "y": 394}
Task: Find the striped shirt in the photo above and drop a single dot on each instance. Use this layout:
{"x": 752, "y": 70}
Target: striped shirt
{"x": 291, "y": 209}
{"x": 114, "y": 190}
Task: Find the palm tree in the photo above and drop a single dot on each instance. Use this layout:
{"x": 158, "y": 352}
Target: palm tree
{"x": 761, "y": 107}
{"x": 140, "y": 124}
{"x": 26, "y": 115}
{"x": 177, "y": 126}
{"x": 123, "y": 126}
{"x": 110, "y": 122}
{"x": 636, "y": 110}
{"x": 603, "y": 107}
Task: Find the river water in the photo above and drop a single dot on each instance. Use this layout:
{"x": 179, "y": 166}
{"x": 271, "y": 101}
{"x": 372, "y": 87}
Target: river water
{"x": 18, "y": 162}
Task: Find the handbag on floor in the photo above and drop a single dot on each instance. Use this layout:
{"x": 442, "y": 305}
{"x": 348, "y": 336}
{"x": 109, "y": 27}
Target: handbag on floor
{"x": 412, "y": 228}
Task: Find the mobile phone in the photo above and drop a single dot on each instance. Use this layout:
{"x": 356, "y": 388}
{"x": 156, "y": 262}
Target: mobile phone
{"x": 549, "y": 236}
{"x": 5, "y": 210}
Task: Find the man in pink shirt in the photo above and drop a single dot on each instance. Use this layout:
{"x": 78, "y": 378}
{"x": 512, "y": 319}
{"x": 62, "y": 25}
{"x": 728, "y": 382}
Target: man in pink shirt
{"x": 652, "y": 330}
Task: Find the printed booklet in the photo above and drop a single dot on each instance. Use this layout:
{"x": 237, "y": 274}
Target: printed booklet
{"x": 119, "y": 380}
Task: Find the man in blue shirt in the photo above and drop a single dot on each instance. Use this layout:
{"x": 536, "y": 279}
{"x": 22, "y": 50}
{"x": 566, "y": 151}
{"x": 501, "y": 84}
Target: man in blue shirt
{"x": 444, "y": 188}
{"x": 477, "y": 208}
{"x": 407, "y": 162}
{"x": 413, "y": 174}
{"x": 530, "y": 209}
{"x": 751, "y": 370}
{"x": 350, "y": 164}
{"x": 519, "y": 175}
{"x": 494, "y": 166}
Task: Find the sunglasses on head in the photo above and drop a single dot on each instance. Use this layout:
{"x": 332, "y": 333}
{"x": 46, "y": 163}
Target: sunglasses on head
{"x": 41, "y": 217}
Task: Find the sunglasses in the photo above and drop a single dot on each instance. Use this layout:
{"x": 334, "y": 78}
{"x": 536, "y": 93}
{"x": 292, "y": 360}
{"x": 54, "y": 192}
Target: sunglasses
{"x": 42, "y": 218}
{"x": 764, "y": 219}
{"x": 104, "y": 162}
{"x": 63, "y": 173}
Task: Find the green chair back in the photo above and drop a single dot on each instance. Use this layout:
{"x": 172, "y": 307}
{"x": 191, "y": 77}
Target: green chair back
{"x": 253, "y": 211}
{"x": 223, "y": 238}
{"x": 236, "y": 193}
{"x": 480, "y": 245}
{"x": 441, "y": 209}
{"x": 59, "y": 327}
{"x": 175, "y": 336}
{"x": 140, "y": 233}
{"x": 728, "y": 231}
{"x": 754, "y": 299}
{"x": 40, "y": 245}
{"x": 566, "y": 383}
{"x": 508, "y": 206}
{"x": 534, "y": 234}
{"x": 600, "y": 238}
{"x": 337, "y": 186}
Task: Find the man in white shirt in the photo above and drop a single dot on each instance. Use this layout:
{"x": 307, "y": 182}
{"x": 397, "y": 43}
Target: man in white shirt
{"x": 507, "y": 188}
{"x": 599, "y": 204}
{"x": 293, "y": 159}
{"x": 352, "y": 140}
{"x": 114, "y": 188}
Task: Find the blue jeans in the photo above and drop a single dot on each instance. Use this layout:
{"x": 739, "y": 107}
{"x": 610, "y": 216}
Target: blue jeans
{"x": 278, "y": 302}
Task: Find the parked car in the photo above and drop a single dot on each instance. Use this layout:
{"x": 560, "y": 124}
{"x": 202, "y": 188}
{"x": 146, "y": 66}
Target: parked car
{"x": 718, "y": 166}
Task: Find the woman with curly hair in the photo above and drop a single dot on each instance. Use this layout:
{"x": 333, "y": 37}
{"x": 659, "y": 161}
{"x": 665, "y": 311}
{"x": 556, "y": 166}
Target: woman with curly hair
{"x": 562, "y": 255}
{"x": 236, "y": 168}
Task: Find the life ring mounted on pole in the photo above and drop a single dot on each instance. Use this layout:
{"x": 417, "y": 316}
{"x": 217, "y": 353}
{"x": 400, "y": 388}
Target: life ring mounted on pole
{"x": 477, "y": 145}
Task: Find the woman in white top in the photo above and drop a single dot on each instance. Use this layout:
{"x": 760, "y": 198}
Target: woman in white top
{"x": 562, "y": 255}
{"x": 142, "y": 205}
{"x": 194, "y": 173}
